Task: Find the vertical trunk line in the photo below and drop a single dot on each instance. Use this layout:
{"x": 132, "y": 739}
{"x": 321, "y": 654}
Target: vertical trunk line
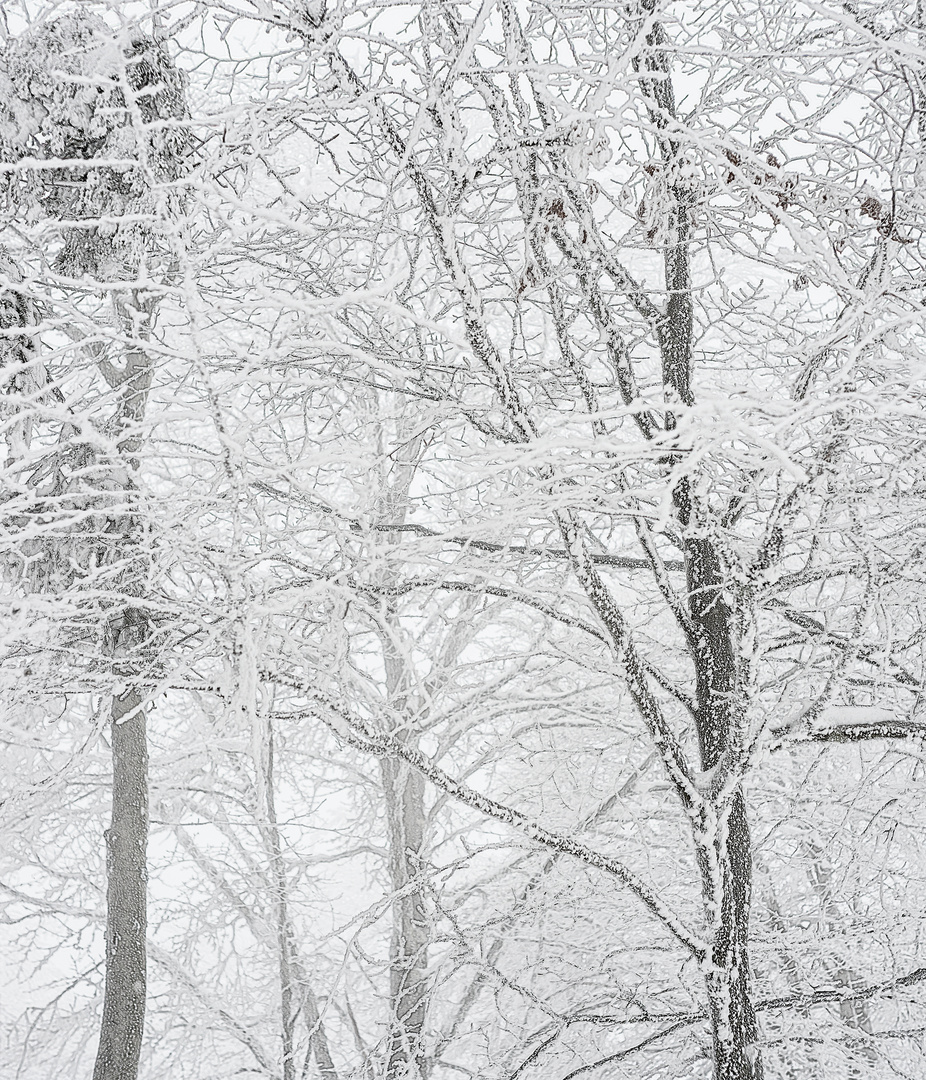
{"x": 123, "y": 1021}
{"x": 727, "y": 873}
{"x": 408, "y": 953}
{"x": 319, "y": 1044}
{"x": 727, "y": 860}
{"x": 295, "y": 990}
{"x": 281, "y": 915}
{"x": 735, "y": 1031}
{"x": 403, "y": 789}
{"x": 723, "y": 844}
{"x": 127, "y": 630}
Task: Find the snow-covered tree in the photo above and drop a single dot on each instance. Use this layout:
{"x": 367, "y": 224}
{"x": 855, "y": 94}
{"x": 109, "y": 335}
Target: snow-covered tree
{"x": 92, "y": 136}
{"x": 542, "y": 416}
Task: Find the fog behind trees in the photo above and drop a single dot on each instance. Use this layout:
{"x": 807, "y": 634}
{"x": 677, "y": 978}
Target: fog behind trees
{"x": 462, "y": 540}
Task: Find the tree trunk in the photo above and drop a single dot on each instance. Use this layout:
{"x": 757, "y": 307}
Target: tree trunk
{"x": 126, "y": 916}
{"x": 123, "y": 1020}
{"x": 408, "y": 953}
{"x": 403, "y": 788}
{"x": 726, "y": 850}
{"x": 274, "y": 843}
{"x": 733, "y": 1020}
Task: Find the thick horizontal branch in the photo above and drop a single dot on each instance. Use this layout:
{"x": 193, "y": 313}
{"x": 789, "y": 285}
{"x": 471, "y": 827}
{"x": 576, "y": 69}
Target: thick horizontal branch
{"x": 838, "y": 995}
{"x": 847, "y": 733}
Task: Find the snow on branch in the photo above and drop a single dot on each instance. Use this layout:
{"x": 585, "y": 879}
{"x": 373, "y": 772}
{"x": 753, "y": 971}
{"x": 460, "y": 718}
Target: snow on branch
{"x": 362, "y": 734}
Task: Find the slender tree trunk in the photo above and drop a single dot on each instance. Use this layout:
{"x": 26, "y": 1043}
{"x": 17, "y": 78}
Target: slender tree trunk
{"x": 404, "y": 789}
{"x": 284, "y": 932}
{"x": 313, "y": 1019}
{"x": 734, "y": 1030}
{"x": 126, "y": 910}
{"x": 122, "y": 1024}
{"x": 726, "y": 850}
{"x": 296, "y": 994}
{"x": 408, "y": 953}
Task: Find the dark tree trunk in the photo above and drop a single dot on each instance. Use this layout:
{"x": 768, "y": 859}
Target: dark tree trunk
{"x": 733, "y": 1020}
{"x": 725, "y": 851}
{"x": 723, "y": 846}
{"x": 126, "y": 917}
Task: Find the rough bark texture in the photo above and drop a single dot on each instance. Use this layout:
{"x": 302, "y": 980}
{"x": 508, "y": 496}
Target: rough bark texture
{"x": 726, "y": 859}
{"x": 122, "y": 1025}
{"x": 733, "y": 1020}
{"x": 723, "y": 844}
{"x": 126, "y": 916}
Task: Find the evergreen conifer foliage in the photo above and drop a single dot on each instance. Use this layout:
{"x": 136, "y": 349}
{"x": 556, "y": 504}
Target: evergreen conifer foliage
{"x": 94, "y": 130}
{"x": 92, "y": 138}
